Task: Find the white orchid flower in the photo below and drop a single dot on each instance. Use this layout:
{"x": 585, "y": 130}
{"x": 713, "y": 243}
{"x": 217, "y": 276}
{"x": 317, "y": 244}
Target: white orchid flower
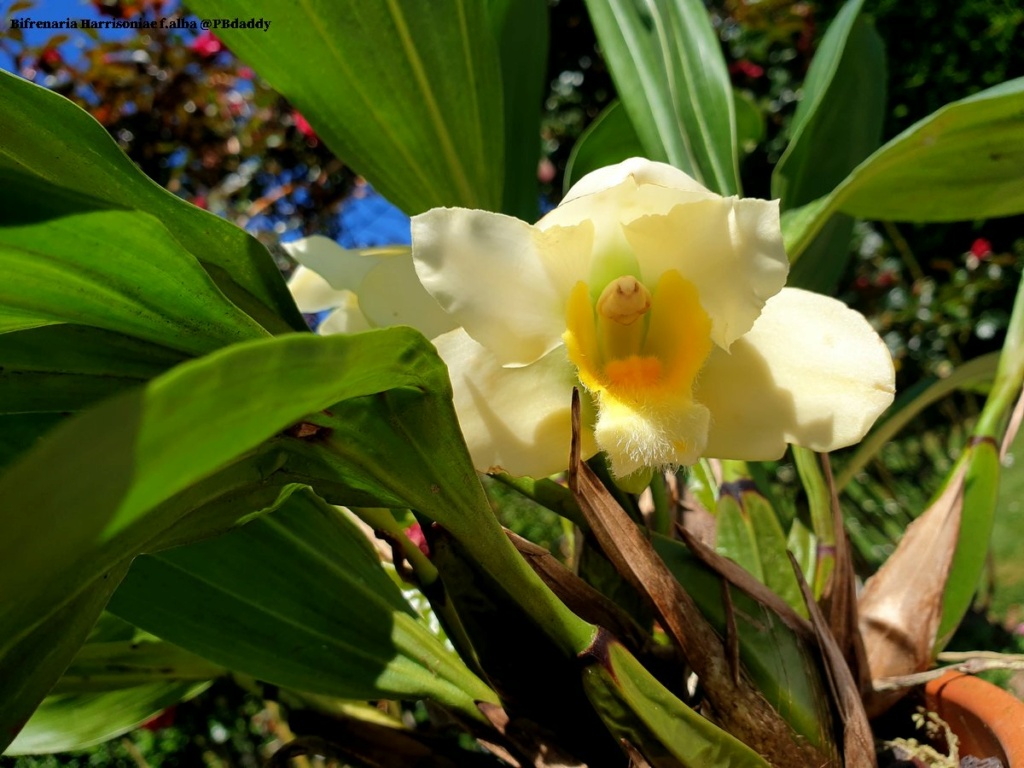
{"x": 662, "y": 299}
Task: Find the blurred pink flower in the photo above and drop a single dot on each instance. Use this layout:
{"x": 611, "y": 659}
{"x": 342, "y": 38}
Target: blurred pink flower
{"x": 415, "y": 534}
{"x": 302, "y": 125}
{"x": 747, "y": 68}
{"x": 981, "y": 248}
{"x": 207, "y": 44}
{"x": 160, "y": 720}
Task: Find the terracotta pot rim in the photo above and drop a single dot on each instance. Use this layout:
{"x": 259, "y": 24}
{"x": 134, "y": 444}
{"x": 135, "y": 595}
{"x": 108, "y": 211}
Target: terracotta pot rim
{"x": 988, "y": 720}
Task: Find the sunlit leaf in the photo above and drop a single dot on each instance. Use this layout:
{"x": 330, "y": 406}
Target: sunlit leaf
{"x": 837, "y": 124}
{"x": 301, "y": 601}
{"x": 409, "y": 95}
{"x": 749, "y": 532}
{"x": 670, "y": 73}
{"x": 521, "y": 29}
{"x": 115, "y": 270}
{"x": 67, "y": 722}
{"x": 638, "y": 709}
{"x": 106, "y": 485}
{"x": 961, "y": 162}
{"x": 50, "y": 141}
{"x": 608, "y": 140}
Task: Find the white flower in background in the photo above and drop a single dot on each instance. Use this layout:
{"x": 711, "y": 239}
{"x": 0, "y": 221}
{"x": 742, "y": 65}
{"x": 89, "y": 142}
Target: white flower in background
{"x": 663, "y": 300}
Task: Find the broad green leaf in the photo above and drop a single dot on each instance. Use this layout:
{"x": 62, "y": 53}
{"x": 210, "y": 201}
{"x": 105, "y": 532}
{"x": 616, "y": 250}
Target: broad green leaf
{"x": 102, "y": 487}
{"x": 67, "y": 722}
{"x": 610, "y": 139}
{"x": 749, "y": 533}
{"x": 116, "y": 270}
{"x": 838, "y": 121}
{"x": 521, "y": 29}
{"x": 48, "y": 137}
{"x": 64, "y": 368}
{"x": 670, "y": 73}
{"x": 961, "y": 162}
{"x": 778, "y": 658}
{"x": 299, "y": 599}
{"x": 837, "y": 124}
{"x": 20, "y": 431}
{"x": 30, "y": 664}
{"x": 750, "y": 124}
{"x": 409, "y": 94}
{"x": 641, "y": 712}
{"x": 108, "y": 665}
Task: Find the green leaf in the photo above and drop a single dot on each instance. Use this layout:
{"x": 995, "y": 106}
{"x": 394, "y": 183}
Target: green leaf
{"x": 29, "y": 664}
{"x": 521, "y": 29}
{"x": 837, "y": 124}
{"x": 20, "y": 431}
{"x": 749, "y": 533}
{"x": 116, "y": 270}
{"x": 62, "y": 147}
{"x": 750, "y": 124}
{"x": 779, "y": 658}
{"x": 108, "y": 666}
{"x": 409, "y": 94}
{"x": 300, "y": 600}
{"x": 641, "y": 712}
{"x": 819, "y": 502}
{"x": 62, "y": 368}
{"x": 670, "y": 73}
{"x": 610, "y": 139}
{"x": 102, "y": 487}
{"x": 961, "y": 162}
{"x": 76, "y": 721}
{"x": 994, "y": 429}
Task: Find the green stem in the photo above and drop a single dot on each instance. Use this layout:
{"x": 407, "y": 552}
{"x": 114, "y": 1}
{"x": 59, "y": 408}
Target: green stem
{"x": 819, "y": 499}
{"x": 1009, "y": 376}
{"x": 662, "y": 519}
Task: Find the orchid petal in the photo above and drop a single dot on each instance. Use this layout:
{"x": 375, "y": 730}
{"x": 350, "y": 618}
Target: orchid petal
{"x": 342, "y": 268}
{"x": 391, "y": 294}
{"x": 503, "y": 280}
{"x": 383, "y": 278}
{"x": 731, "y": 249}
{"x": 312, "y": 293}
{"x": 514, "y": 419}
{"x": 613, "y": 197}
{"x": 811, "y": 371}
{"x": 347, "y": 318}
{"x": 642, "y": 171}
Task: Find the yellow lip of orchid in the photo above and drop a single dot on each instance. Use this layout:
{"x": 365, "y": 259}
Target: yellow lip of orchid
{"x": 662, "y": 299}
{"x": 639, "y": 354}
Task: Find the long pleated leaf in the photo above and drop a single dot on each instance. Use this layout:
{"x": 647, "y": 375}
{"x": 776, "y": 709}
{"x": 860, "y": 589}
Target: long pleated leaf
{"x": 670, "y": 73}
{"x": 408, "y": 93}
{"x": 301, "y": 601}
{"x": 961, "y": 162}
{"x": 837, "y": 124}
{"x": 106, "y": 485}
{"x": 50, "y": 141}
